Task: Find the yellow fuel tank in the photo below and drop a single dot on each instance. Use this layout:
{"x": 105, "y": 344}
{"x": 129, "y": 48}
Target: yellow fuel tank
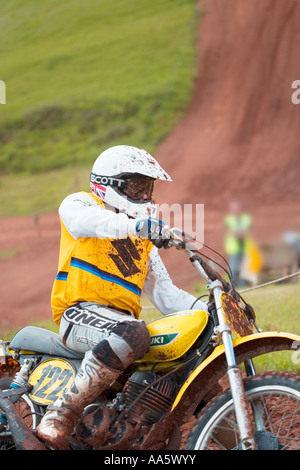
{"x": 173, "y": 335}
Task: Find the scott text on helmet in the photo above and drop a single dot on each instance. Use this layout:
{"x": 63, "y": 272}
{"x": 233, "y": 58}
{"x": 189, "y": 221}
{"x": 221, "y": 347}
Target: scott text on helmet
{"x": 106, "y": 180}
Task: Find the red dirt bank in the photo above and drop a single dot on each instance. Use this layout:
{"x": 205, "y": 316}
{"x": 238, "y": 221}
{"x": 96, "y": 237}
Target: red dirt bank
{"x": 239, "y": 139}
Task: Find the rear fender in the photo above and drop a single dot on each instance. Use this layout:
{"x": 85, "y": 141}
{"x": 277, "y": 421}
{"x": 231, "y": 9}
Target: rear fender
{"x": 204, "y": 379}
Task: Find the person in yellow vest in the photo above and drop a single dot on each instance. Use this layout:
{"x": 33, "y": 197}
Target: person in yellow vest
{"x": 108, "y": 256}
{"x": 238, "y": 224}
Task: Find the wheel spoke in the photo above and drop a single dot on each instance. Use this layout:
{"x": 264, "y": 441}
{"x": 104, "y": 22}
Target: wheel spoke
{"x": 276, "y": 399}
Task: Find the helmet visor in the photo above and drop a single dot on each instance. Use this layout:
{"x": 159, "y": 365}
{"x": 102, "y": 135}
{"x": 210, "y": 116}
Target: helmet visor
{"x": 138, "y": 188}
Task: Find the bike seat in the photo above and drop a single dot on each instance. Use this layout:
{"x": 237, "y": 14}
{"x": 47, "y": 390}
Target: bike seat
{"x": 33, "y": 338}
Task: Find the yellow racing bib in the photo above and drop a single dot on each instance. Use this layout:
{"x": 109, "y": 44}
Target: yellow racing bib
{"x": 107, "y": 271}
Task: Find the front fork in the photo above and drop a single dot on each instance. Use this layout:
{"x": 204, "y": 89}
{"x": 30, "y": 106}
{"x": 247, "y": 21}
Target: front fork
{"x": 234, "y": 375}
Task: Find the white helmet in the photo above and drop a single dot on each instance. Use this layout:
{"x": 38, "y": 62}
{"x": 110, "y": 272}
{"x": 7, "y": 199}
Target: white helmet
{"x": 123, "y": 178}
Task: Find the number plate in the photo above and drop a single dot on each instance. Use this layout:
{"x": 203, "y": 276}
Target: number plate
{"x": 50, "y": 379}
{"x": 235, "y": 316}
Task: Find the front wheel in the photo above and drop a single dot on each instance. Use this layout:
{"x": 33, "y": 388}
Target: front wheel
{"x": 274, "y": 407}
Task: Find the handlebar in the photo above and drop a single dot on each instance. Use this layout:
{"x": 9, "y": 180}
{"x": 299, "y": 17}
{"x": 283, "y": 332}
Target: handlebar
{"x": 207, "y": 272}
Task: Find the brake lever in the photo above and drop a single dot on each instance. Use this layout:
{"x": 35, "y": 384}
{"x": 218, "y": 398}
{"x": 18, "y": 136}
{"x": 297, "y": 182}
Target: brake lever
{"x": 176, "y": 235}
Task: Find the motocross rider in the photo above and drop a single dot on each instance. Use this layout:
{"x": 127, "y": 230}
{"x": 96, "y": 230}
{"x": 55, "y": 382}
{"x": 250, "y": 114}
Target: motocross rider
{"x": 108, "y": 255}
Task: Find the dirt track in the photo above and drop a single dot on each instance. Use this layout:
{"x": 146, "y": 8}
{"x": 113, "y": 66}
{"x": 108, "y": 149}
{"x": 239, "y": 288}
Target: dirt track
{"x": 238, "y": 139}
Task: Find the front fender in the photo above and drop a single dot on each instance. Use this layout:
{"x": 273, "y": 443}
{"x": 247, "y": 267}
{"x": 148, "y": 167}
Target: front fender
{"x": 206, "y": 376}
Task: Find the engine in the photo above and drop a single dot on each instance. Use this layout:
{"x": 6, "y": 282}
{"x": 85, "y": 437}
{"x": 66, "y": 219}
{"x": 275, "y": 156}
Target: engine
{"x": 118, "y": 424}
{"x": 147, "y": 397}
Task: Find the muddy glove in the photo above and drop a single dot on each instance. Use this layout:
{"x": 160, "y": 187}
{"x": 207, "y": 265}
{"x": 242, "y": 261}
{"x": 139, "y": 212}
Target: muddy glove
{"x": 155, "y": 230}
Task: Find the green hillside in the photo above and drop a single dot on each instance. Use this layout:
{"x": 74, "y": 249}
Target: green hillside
{"x": 81, "y": 76}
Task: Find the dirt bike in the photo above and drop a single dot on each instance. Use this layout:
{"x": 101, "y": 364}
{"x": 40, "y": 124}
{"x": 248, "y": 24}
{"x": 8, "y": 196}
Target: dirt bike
{"x": 178, "y": 384}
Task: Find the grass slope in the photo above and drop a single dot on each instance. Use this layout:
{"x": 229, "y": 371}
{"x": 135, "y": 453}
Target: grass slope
{"x": 81, "y": 76}
{"x": 277, "y": 308}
